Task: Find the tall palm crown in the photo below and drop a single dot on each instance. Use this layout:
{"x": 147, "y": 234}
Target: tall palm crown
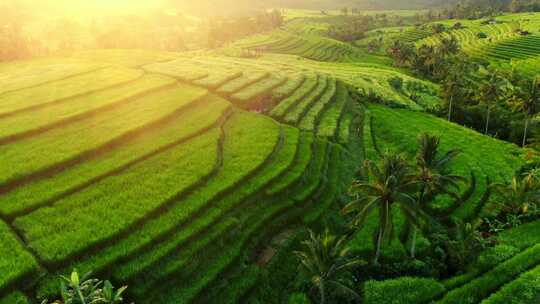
{"x": 390, "y": 184}
{"x": 427, "y": 58}
{"x": 530, "y": 106}
{"x": 520, "y": 194}
{"x": 325, "y": 260}
{"x": 433, "y": 178}
{"x": 455, "y": 86}
{"x": 492, "y": 89}
{"x": 401, "y": 52}
{"x": 491, "y": 92}
{"x": 527, "y": 103}
{"x": 433, "y": 171}
{"x": 449, "y": 46}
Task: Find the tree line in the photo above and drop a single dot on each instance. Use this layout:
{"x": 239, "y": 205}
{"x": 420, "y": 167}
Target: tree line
{"x": 353, "y": 24}
{"x": 501, "y": 103}
{"x": 23, "y": 34}
{"x": 476, "y": 9}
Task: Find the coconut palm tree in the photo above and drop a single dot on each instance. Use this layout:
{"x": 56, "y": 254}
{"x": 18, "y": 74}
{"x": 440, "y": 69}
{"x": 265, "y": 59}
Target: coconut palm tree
{"x": 448, "y": 46}
{"x": 522, "y": 192}
{"x": 433, "y": 177}
{"x": 464, "y": 244}
{"x": 401, "y": 52}
{"x": 527, "y": 103}
{"x": 325, "y": 260}
{"x": 455, "y": 86}
{"x": 391, "y": 184}
{"x": 491, "y": 91}
{"x": 451, "y": 89}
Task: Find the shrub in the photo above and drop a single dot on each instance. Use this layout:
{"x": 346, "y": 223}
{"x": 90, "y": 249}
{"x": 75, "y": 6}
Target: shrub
{"x": 481, "y": 35}
{"x": 494, "y": 256}
{"x": 483, "y": 286}
{"x": 396, "y": 82}
{"x": 525, "y": 289}
{"x": 405, "y": 290}
{"x": 14, "y": 298}
{"x": 438, "y": 28}
{"x": 457, "y": 26}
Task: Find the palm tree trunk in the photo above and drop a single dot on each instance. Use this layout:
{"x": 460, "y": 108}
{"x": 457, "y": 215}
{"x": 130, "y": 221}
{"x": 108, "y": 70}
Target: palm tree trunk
{"x": 378, "y": 247}
{"x": 487, "y": 119}
{"x": 413, "y": 243}
{"x": 323, "y": 293}
{"x": 525, "y": 132}
{"x": 414, "y": 232}
{"x": 450, "y": 109}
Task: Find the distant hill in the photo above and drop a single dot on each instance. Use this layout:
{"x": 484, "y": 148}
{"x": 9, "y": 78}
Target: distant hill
{"x": 363, "y": 4}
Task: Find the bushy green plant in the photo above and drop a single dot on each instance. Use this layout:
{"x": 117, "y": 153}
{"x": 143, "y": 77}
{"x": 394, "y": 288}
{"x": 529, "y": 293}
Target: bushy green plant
{"x": 481, "y": 35}
{"x": 494, "y": 256}
{"x": 483, "y": 286}
{"x": 85, "y": 290}
{"x": 396, "y": 82}
{"x": 520, "y": 194}
{"x": 525, "y": 289}
{"x": 326, "y": 260}
{"x": 405, "y": 290}
{"x": 438, "y": 28}
{"x": 400, "y": 268}
{"x": 458, "y": 244}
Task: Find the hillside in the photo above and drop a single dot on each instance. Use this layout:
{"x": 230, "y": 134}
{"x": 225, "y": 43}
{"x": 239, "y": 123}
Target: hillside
{"x": 363, "y": 4}
{"x": 104, "y": 149}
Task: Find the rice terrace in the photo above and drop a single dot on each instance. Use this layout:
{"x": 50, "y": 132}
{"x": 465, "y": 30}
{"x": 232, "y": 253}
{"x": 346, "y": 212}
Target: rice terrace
{"x": 273, "y": 151}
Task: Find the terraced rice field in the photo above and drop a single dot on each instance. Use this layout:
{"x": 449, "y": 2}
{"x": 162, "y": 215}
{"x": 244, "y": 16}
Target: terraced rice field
{"x": 407, "y": 34}
{"x": 414, "y": 35}
{"x": 363, "y": 77}
{"x": 468, "y": 36}
{"x": 395, "y": 130}
{"x": 310, "y": 45}
{"x": 519, "y": 48}
{"x": 170, "y": 172}
{"x": 504, "y": 46}
{"x": 152, "y": 173}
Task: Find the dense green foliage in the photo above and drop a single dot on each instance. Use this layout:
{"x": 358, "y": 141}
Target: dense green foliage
{"x": 404, "y": 290}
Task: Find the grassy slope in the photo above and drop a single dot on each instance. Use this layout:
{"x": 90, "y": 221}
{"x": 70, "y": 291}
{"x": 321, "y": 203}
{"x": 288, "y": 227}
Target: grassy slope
{"x": 199, "y": 118}
{"x": 37, "y": 153}
{"x": 117, "y": 202}
{"x": 16, "y": 262}
{"x": 398, "y": 130}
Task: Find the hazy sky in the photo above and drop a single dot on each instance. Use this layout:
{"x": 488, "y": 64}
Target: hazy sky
{"x": 85, "y": 8}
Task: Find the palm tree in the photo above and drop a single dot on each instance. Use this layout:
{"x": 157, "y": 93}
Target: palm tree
{"x": 391, "y": 183}
{"x": 528, "y": 104}
{"x": 451, "y": 89}
{"x": 325, "y": 260}
{"x": 491, "y": 92}
{"x": 465, "y": 243}
{"x": 522, "y": 192}
{"x": 449, "y": 46}
{"x": 433, "y": 177}
{"x": 401, "y": 52}
{"x": 455, "y": 85}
